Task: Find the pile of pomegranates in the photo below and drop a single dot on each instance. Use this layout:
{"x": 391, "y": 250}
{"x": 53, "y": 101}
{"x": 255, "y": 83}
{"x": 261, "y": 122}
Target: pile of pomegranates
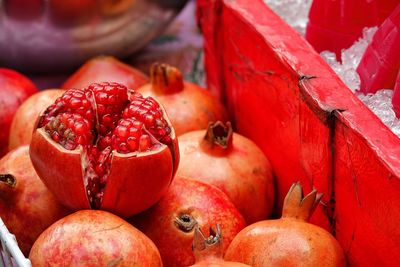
{"x": 116, "y": 169}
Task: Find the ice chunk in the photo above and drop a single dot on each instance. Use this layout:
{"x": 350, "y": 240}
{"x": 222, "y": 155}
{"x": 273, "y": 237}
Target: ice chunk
{"x": 381, "y": 104}
{"x": 294, "y": 12}
{"x": 350, "y": 59}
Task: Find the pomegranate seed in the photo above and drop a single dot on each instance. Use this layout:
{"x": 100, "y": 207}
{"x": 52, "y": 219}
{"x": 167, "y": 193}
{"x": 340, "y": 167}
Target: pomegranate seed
{"x": 144, "y": 143}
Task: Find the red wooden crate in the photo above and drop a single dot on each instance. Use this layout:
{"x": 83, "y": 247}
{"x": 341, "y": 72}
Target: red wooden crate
{"x": 310, "y": 125}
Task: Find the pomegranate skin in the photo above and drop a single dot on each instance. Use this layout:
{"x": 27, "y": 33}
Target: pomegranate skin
{"x": 15, "y": 88}
{"x": 24, "y": 119}
{"x": 123, "y": 195}
{"x": 29, "y": 204}
{"x": 105, "y": 68}
{"x": 290, "y": 240}
{"x": 259, "y": 245}
{"x": 93, "y": 238}
{"x": 241, "y": 170}
{"x": 189, "y": 106}
{"x": 170, "y": 223}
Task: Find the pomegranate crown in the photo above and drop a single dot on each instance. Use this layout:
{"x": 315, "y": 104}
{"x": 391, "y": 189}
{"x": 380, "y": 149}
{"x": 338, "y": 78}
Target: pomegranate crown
{"x": 165, "y": 78}
{"x": 219, "y": 134}
{"x": 296, "y": 206}
{"x": 210, "y": 246}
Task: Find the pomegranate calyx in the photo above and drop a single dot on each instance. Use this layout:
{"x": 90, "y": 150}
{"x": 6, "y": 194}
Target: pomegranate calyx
{"x": 185, "y": 222}
{"x": 8, "y": 179}
{"x": 165, "y": 79}
{"x": 219, "y": 135}
{"x": 300, "y": 207}
{"x": 207, "y": 247}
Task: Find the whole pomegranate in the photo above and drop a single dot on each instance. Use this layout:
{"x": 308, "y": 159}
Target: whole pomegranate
{"x": 105, "y": 68}
{"x": 234, "y": 164}
{"x": 71, "y": 12}
{"x": 105, "y": 147}
{"x": 14, "y": 89}
{"x": 93, "y": 238}
{"x": 114, "y": 7}
{"x": 24, "y": 119}
{"x": 189, "y": 106}
{"x": 208, "y": 251}
{"x": 27, "y": 207}
{"x": 171, "y": 222}
{"x": 290, "y": 240}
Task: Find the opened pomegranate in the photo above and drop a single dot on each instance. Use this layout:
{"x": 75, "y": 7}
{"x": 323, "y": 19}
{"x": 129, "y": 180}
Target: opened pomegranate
{"x": 188, "y": 204}
{"x": 14, "y": 89}
{"x": 24, "y": 119}
{"x": 290, "y": 240}
{"x": 234, "y": 164}
{"x": 105, "y": 147}
{"x": 27, "y": 207}
{"x": 106, "y": 68}
{"x": 208, "y": 250}
{"x": 93, "y": 238}
{"x": 189, "y": 106}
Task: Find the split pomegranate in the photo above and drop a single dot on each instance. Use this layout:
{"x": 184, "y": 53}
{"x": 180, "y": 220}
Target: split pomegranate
{"x": 93, "y": 238}
{"x": 105, "y": 68}
{"x": 24, "y": 119}
{"x": 290, "y": 240}
{"x": 14, "y": 89}
{"x": 234, "y": 164}
{"x": 27, "y": 207}
{"x": 188, "y": 106}
{"x": 208, "y": 251}
{"x": 105, "y": 147}
{"x": 188, "y": 204}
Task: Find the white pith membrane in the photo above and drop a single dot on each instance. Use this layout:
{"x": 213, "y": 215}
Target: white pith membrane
{"x": 94, "y": 159}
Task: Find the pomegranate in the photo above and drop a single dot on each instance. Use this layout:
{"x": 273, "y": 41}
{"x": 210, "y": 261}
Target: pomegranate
{"x": 290, "y": 240}
{"x": 14, "y": 89}
{"x": 105, "y": 68}
{"x": 105, "y": 147}
{"x": 24, "y": 10}
{"x": 93, "y": 238}
{"x": 171, "y": 222}
{"x": 115, "y": 7}
{"x": 188, "y": 106}
{"x": 208, "y": 251}
{"x": 24, "y": 119}
{"x": 234, "y": 164}
{"x": 71, "y": 12}
{"x": 27, "y": 207}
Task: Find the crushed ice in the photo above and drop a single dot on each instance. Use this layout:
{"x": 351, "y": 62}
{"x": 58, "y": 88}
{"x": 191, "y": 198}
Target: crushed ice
{"x": 295, "y": 13}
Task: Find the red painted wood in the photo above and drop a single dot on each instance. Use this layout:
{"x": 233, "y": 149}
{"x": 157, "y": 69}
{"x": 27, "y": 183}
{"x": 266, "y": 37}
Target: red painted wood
{"x": 312, "y": 129}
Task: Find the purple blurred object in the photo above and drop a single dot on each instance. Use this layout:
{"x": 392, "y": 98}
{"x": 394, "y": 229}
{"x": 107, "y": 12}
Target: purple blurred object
{"x": 47, "y": 36}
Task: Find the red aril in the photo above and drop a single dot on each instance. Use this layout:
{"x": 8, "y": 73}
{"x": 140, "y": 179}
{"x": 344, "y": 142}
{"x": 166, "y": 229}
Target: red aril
{"x": 105, "y": 147}
{"x": 171, "y": 222}
{"x": 189, "y": 106}
{"x": 93, "y": 238}
{"x": 103, "y": 69}
{"x": 208, "y": 250}
{"x": 290, "y": 240}
{"x": 27, "y": 207}
{"x": 24, "y": 119}
{"x": 14, "y": 89}
{"x": 234, "y": 164}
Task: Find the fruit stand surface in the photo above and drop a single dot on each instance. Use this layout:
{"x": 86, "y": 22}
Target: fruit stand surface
{"x": 310, "y": 125}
